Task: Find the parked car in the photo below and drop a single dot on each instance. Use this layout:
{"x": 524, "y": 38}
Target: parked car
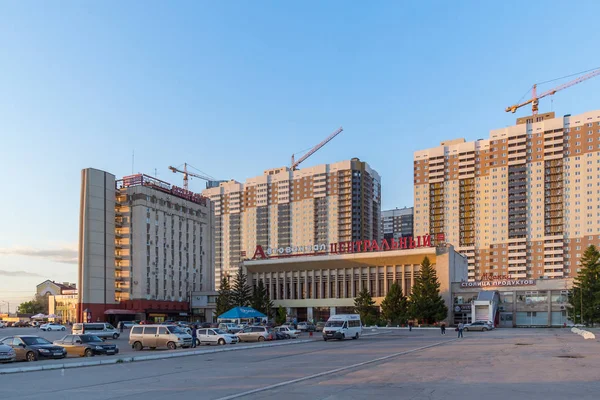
{"x": 229, "y": 327}
{"x": 32, "y": 348}
{"x": 100, "y": 329}
{"x": 215, "y": 336}
{"x": 479, "y": 326}
{"x": 319, "y": 327}
{"x": 2, "y": 324}
{"x": 280, "y": 336}
{"x": 126, "y": 324}
{"x": 343, "y": 326}
{"x": 86, "y": 345}
{"x": 7, "y": 354}
{"x": 306, "y": 327}
{"x": 154, "y": 336}
{"x": 255, "y": 333}
{"x": 291, "y": 333}
{"x": 20, "y": 324}
{"x": 52, "y": 327}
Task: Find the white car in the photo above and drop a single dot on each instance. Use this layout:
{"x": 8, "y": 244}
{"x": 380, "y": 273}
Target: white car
{"x": 7, "y": 354}
{"x": 292, "y": 333}
{"x": 2, "y": 324}
{"x": 214, "y": 336}
{"x": 53, "y": 327}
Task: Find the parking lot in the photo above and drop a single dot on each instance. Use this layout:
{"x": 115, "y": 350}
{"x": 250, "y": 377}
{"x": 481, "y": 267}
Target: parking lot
{"x": 422, "y": 364}
{"x": 122, "y": 342}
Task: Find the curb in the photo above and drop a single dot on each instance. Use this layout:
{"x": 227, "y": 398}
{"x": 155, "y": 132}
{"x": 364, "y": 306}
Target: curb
{"x": 119, "y": 360}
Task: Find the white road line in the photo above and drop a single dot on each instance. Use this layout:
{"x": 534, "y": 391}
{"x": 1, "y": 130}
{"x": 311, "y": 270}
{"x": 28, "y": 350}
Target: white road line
{"x": 332, "y": 371}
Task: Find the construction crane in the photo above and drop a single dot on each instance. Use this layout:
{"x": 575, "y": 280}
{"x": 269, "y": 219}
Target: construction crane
{"x": 534, "y": 100}
{"x": 187, "y": 173}
{"x": 312, "y": 151}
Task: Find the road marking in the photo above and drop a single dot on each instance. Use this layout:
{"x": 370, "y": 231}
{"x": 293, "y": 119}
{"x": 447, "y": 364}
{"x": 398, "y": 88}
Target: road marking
{"x": 332, "y": 371}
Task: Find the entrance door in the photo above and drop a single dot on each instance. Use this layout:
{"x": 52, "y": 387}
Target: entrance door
{"x": 506, "y": 320}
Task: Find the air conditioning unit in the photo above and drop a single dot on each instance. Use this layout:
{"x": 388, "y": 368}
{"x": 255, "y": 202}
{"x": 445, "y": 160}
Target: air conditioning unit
{"x": 563, "y": 308}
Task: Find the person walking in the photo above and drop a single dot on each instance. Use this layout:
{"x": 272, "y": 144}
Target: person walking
{"x": 443, "y": 327}
{"x": 121, "y": 326}
{"x": 460, "y": 328}
{"x": 194, "y": 335}
{"x": 410, "y": 326}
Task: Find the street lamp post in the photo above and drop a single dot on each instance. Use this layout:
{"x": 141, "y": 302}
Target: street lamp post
{"x": 8, "y": 306}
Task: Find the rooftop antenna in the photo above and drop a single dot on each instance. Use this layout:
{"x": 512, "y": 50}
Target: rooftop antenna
{"x": 132, "y": 161}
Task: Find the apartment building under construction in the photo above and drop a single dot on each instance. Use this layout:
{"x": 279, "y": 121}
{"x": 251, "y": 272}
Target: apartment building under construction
{"x": 524, "y": 203}
{"x": 289, "y": 211}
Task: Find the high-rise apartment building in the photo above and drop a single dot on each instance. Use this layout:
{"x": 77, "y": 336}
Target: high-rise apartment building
{"x": 397, "y": 223}
{"x": 524, "y": 203}
{"x": 144, "y": 247}
{"x": 284, "y": 210}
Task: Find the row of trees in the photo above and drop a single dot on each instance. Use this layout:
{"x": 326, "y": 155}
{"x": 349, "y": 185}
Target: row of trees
{"x": 39, "y": 304}
{"x": 584, "y": 299}
{"x": 425, "y": 303}
{"x": 240, "y": 294}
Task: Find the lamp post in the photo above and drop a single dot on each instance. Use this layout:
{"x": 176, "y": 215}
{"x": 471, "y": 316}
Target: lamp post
{"x": 8, "y": 306}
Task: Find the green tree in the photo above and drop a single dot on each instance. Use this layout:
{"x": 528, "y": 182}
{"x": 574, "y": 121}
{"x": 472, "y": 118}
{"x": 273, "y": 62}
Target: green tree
{"x": 584, "y": 300}
{"x": 365, "y": 306}
{"x": 240, "y": 291}
{"x": 30, "y": 307}
{"x": 395, "y": 305}
{"x": 224, "y": 300}
{"x": 261, "y": 300}
{"x": 425, "y": 302}
{"x": 281, "y": 316}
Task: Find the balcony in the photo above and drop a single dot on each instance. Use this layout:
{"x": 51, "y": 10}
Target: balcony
{"x": 517, "y": 261}
{"x": 514, "y": 269}
{"x": 554, "y": 274}
{"x": 518, "y": 276}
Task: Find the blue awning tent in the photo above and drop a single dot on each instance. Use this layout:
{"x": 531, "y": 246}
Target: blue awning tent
{"x": 242, "y": 313}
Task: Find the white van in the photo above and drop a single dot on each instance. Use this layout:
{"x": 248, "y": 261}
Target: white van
{"x": 342, "y": 326}
{"x": 155, "y": 336}
{"x": 101, "y": 329}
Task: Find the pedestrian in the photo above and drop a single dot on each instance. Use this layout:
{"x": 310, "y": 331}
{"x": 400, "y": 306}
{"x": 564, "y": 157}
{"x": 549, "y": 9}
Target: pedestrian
{"x": 443, "y": 328}
{"x": 410, "y": 326}
{"x": 194, "y": 335}
{"x": 460, "y": 328}
{"x": 121, "y": 326}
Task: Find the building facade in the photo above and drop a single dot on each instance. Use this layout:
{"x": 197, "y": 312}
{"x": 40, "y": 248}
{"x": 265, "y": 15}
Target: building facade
{"x": 285, "y": 209}
{"x": 397, "y": 223}
{"x": 313, "y": 287}
{"x": 523, "y": 203}
{"x": 511, "y": 303}
{"x": 144, "y": 247}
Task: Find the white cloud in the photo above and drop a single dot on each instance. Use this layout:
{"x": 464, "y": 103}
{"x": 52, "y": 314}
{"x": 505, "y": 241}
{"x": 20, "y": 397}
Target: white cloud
{"x": 67, "y": 255}
{"x": 17, "y": 274}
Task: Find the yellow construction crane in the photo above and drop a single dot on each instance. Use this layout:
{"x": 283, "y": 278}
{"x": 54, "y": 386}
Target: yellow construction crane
{"x": 187, "y": 174}
{"x": 534, "y": 100}
{"x": 294, "y": 164}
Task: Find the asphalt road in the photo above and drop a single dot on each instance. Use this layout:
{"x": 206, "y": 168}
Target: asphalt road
{"x": 422, "y": 364}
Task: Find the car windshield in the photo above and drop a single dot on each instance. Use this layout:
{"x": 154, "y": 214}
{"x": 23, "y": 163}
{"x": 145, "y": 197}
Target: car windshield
{"x": 174, "y": 329}
{"x": 90, "y": 339}
{"x": 34, "y": 340}
{"x": 219, "y": 332}
{"x": 334, "y": 324}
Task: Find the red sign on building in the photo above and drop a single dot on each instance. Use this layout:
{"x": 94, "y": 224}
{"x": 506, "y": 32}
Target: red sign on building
{"x": 363, "y": 246}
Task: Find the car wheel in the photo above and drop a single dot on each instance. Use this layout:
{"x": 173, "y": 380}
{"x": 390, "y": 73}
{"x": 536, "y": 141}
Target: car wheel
{"x": 485, "y": 329}
{"x": 137, "y": 346}
{"x": 171, "y": 346}
{"x": 30, "y": 356}
{"x": 343, "y": 337}
{"x": 261, "y": 339}
{"x": 221, "y": 342}
{"x": 63, "y": 328}
{"x": 355, "y": 336}
{"x": 88, "y": 353}
{"x": 48, "y": 329}
{"x": 115, "y": 336}
{"x": 198, "y": 342}
{"x": 466, "y": 329}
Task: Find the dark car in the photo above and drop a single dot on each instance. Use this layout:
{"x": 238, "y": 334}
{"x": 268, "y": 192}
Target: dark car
{"x": 86, "y": 345}
{"x": 32, "y": 348}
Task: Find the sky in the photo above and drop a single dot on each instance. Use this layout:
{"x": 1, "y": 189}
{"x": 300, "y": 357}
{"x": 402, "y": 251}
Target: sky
{"x": 236, "y": 87}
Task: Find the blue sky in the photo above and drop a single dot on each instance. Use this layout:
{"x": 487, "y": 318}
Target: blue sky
{"x": 236, "y": 87}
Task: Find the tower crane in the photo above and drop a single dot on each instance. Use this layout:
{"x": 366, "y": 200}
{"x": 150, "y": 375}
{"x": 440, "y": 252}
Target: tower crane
{"x": 187, "y": 173}
{"x": 312, "y": 151}
{"x": 534, "y": 100}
